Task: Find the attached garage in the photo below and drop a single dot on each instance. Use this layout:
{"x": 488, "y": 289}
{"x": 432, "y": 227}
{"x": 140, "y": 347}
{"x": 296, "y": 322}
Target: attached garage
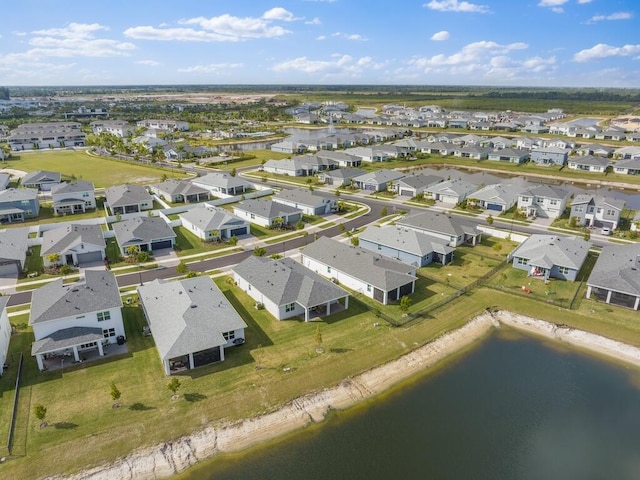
{"x": 160, "y": 244}
{"x": 89, "y": 257}
{"x": 293, "y": 219}
{"x": 239, "y": 231}
{"x": 406, "y": 193}
{"x": 494, "y": 206}
{"x": 319, "y": 210}
{"x": 9, "y": 269}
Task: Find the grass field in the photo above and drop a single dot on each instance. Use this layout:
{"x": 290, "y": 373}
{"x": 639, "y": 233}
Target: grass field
{"x": 103, "y": 172}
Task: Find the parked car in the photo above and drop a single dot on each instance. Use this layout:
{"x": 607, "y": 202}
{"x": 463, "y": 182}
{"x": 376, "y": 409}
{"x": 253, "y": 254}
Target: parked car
{"x": 605, "y": 231}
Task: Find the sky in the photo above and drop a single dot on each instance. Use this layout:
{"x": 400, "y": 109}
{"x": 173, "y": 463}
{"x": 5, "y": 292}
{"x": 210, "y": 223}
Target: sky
{"x": 559, "y": 43}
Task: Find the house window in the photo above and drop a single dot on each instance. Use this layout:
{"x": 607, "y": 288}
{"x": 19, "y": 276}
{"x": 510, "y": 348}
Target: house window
{"x": 611, "y": 213}
{"x": 368, "y": 288}
{"x": 290, "y": 307}
{"x": 563, "y": 270}
{"x": 526, "y": 199}
{"x": 109, "y": 332}
{"x": 553, "y": 202}
{"x": 578, "y": 208}
{"x": 523, "y": 261}
{"x": 328, "y": 269}
{"x": 229, "y": 335}
{"x": 252, "y": 216}
{"x": 104, "y": 316}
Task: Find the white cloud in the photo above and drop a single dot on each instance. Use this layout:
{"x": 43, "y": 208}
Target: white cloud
{"x": 350, "y": 36}
{"x": 223, "y": 28}
{"x": 321, "y": 37}
{"x": 456, "y": 6}
{"x": 149, "y": 63}
{"x": 313, "y": 21}
{"x": 612, "y": 16}
{"x": 440, "y": 36}
{"x": 554, "y": 5}
{"x": 211, "y": 68}
{"x": 344, "y": 66}
{"x": 584, "y": 2}
{"x": 73, "y": 30}
{"x": 602, "y": 50}
{"x": 279, "y": 13}
{"x": 470, "y": 54}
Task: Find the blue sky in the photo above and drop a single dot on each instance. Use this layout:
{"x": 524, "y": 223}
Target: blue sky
{"x": 593, "y": 43}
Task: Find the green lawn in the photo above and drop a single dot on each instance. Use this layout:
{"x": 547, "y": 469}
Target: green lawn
{"x": 189, "y": 244}
{"x": 103, "y": 172}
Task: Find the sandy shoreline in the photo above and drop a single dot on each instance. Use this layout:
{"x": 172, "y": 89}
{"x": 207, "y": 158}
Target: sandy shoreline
{"x": 165, "y": 460}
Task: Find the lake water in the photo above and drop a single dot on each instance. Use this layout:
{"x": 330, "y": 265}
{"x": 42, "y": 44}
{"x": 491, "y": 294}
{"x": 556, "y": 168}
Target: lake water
{"x": 513, "y": 408}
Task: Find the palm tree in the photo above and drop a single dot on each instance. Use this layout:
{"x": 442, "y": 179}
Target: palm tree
{"x": 53, "y": 258}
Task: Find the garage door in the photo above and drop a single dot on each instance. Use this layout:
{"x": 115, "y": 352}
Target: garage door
{"x": 406, "y": 193}
{"x": 319, "y": 210}
{"x": 239, "y": 231}
{"x": 8, "y": 269}
{"x": 89, "y": 257}
{"x": 295, "y": 218}
{"x": 161, "y": 244}
{"x": 494, "y": 206}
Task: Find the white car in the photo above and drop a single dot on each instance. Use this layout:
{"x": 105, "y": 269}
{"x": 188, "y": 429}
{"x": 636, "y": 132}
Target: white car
{"x": 605, "y": 231}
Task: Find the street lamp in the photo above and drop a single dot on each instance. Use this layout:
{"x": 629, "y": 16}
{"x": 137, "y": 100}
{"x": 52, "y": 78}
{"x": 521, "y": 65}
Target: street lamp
{"x": 140, "y": 276}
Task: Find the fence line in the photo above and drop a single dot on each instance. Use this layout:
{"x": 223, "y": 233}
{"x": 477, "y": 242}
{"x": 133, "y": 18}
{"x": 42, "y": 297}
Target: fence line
{"x": 15, "y": 406}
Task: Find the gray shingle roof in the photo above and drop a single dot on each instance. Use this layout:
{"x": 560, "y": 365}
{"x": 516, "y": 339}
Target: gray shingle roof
{"x": 457, "y": 187}
{"x": 598, "y": 201}
{"x": 406, "y": 240}
{"x": 72, "y": 187}
{"x": 439, "y": 223}
{"x": 71, "y": 237}
{"x": 41, "y": 176}
{"x": 141, "y": 230}
{"x": 303, "y": 196}
{"x": 207, "y": 217}
{"x": 590, "y": 160}
{"x": 549, "y": 250}
{"x": 18, "y": 194}
{"x": 188, "y": 315}
{"x": 419, "y": 180}
{"x": 267, "y": 208}
{"x": 121, "y": 195}
{"x": 176, "y": 187}
{"x": 221, "y": 180}
{"x": 617, "y": 268}
{"x": 348, "y": 172}
{"x": 66, "y": 338}
{"x": 13, "y": 244}
{"x": 505, "y": 194}
{"x": 547, "y": 191}
{"x": 286, "y": 281}
{"x": 98, "y": 292}
{"x": 380, "y": 177}
{"x": 374, "y": 269}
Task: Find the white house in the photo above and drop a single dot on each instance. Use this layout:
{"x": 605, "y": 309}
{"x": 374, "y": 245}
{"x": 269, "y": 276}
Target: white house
{"x": 74, "y": 245}
{"x": 73, "y": 197}
{"x": 311, "y": 203}
{"x": 266, "y": 212}
{"x": 74, "y": 318}
{"x": 545, "y": 201}
{"x": 211, "y": 223}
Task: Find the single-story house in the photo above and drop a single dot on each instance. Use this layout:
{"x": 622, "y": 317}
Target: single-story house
{"x": 214, "y": 223}
{"x": 414, "y": 185}
{"x": 191, "y": 321}
{"x": 497, "y": 197}
{"x": 455, "y": 229}
{"x": 628, "y": 152}
{"x": 549, "y": 156}
{"x": 376, "y": 276}
{"x": 41, "y": 180}
{"x": 148, "y": 234}
{"x": 128, "y": 199}
{"x": 595, "y": 149}
{"x": 343, "y": 159}
{"x": 615, "y": 277}
{"x": 300, "y": 166}
{"x": 222, "y": 184}
{"x": 13, "y": 250}
{"x": 287, "y": 146}
{"x": 340, "y": 176}
{"x": 5, "y": 331}
{"x": 544, "y": 201}
{"x": 377, "y": 181}
{"x": 551, "y": 256}
{"x": 511, "y": 155}
{"x": 589, "y": 163}
{"x": 18, "y": 204}
{"x": 266, "y": 212}
{"x": 310, "y": 202}
{"x": 178, "y": 191}
{"x": 450, "y": 192}
{"x": 368, "y": 154}
{"x": 475, "y": 152}
{"x": 73, "y": 244}
{"x": 73, "y": 197}
{"x": 409, "y": 246}
{"x": 627, "y": 166}
{"x": 69, "y": 319}
{"x": 596, "y": 210}
{"x": 285, "y": 288}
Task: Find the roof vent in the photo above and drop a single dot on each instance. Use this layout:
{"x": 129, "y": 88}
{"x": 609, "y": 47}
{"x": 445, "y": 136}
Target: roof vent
{"x": 193, "y": 305}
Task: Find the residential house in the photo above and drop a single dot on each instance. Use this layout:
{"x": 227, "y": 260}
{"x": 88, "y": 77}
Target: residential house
{"x": 267, "y": 213}
{"x": 549, "y": 156}
{"x": 498, "y": 143}
{"x": 5, "y": 332}
{"x": 510, "y": 155}
{"x": 288, "y": 146}
{"x": 414, "y": 185}
{"x": 191, "y": 321}
{"x": 384, "y": 279}
{"x": 222, "y": 185}
{"x": 406, "y": 245}
{"x": 596, "y": 210}
{"x": 544, "y": 201}
{"x": 340, "y": 177}
{"x": 73, "y": 244}
{"x": 550, "y": 256}
{"x": 450, "y": 192}
{"x": 611, "y": 133}
{"x": 475, "y": 152}
{"x": 13, "y": 251}
{"x": 377, "y": 181}
{"x": 498, "y": 197}
{"x": 123, "y": 199}
{"x": 310, "y": 202}
{"x": 18, "y": 204}
{"x": 211, "y": 223}
{"x": 595, "y": 149}
{"x": 561, "y": 143}
{"x": 300, "y": 166}
{"x": 177, "y": 125}
{"x": 589, "y": 163}
{"x": 76, "y": 318}
{"x": 146, "y": 234}
{"x": 624, "y": 153}
{"x": 526, "y": 143}
{"x": 456, "y": 230}
{"x": 286, "y": 289}
{"x": 368, "y": 154}
{"x": 179, "y": 191}
{"x": 118, "y": 128}
{"x": 615, "y": 278}
{"x": 5, "y": 178}
{"x": 42, "y": 135}
{"x": 73, "y": 197}
{"x": 442, "y": 148}
{"x": 41, "y": 180}
{"x": 343, "y": 159}
{"x": 627, "y": 166}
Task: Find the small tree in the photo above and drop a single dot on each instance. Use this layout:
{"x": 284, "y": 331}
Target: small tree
{"x": 341, "y": 227}
{"x": 142, "y": 257}
{"x": 173, "y": 385}
{"x": 132, "y": 250}
{"x": 233, "y": 241}
{"x": 233, "y": 172}
{"x": 299, "y": 225}
{"x": 40, "y": 412}
{"x": 182, "y": 268}
{"x": 383, "y": 212}
{"x": 259, "y": 251}
{"x": 355, "y": 241}
{"x": 115, "y": 393}
{"x": 587, "y": 234}
{"x": 405, "y": 303}
{"x": 490, "y": 220}
{"x": 53, "y": 258}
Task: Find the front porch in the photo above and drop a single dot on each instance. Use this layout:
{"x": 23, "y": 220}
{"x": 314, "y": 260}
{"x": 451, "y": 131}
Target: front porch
{"x": 69, "y": 207}
{"x": 11, "y": 215}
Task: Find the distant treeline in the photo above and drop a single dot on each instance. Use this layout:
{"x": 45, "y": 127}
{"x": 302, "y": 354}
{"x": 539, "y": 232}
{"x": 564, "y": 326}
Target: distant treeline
{"x": 4, "y": 93}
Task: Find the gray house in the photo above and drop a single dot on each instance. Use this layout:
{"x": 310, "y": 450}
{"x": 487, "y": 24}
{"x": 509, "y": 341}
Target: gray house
{"x": 128, "y": 199}
{"x": 147, "y": 233}
{"x": 414, "y": 185}
{"x": 75, "y": 245}
{"x": 551, "y": 256}
{"x": 13, "y": 250}
{"x": 627, "y": 166}
{"x": 544, "y": 201}
{"x": 497, "y": 197}
{"x": 18, "y": 204}
{"x": 597, "y": 211}
{"x": 510, "y": 155}
{"x": 311, "y": 203}
{"x": 222, "y": 184}
{"x": 408, "y": 246}
{"x": 456, "y": 230}
{"x": 191, "y": 321}
{"x": 549, "y": 156}
{"x": 41, "y": 180}
{"x": 340, "y": 177}
{"x": 377, "y": 181}
{"x": 615, "y": 277}
{"x": 450, "y": 192}
{"x": 73, "y": 197}
{"x": 266, "y": 213}
{"x": 179, "y": 191}
{"x": 589, "y": 163}
{"x": 214, "y": 223}
{"x": 375, "y": 276}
